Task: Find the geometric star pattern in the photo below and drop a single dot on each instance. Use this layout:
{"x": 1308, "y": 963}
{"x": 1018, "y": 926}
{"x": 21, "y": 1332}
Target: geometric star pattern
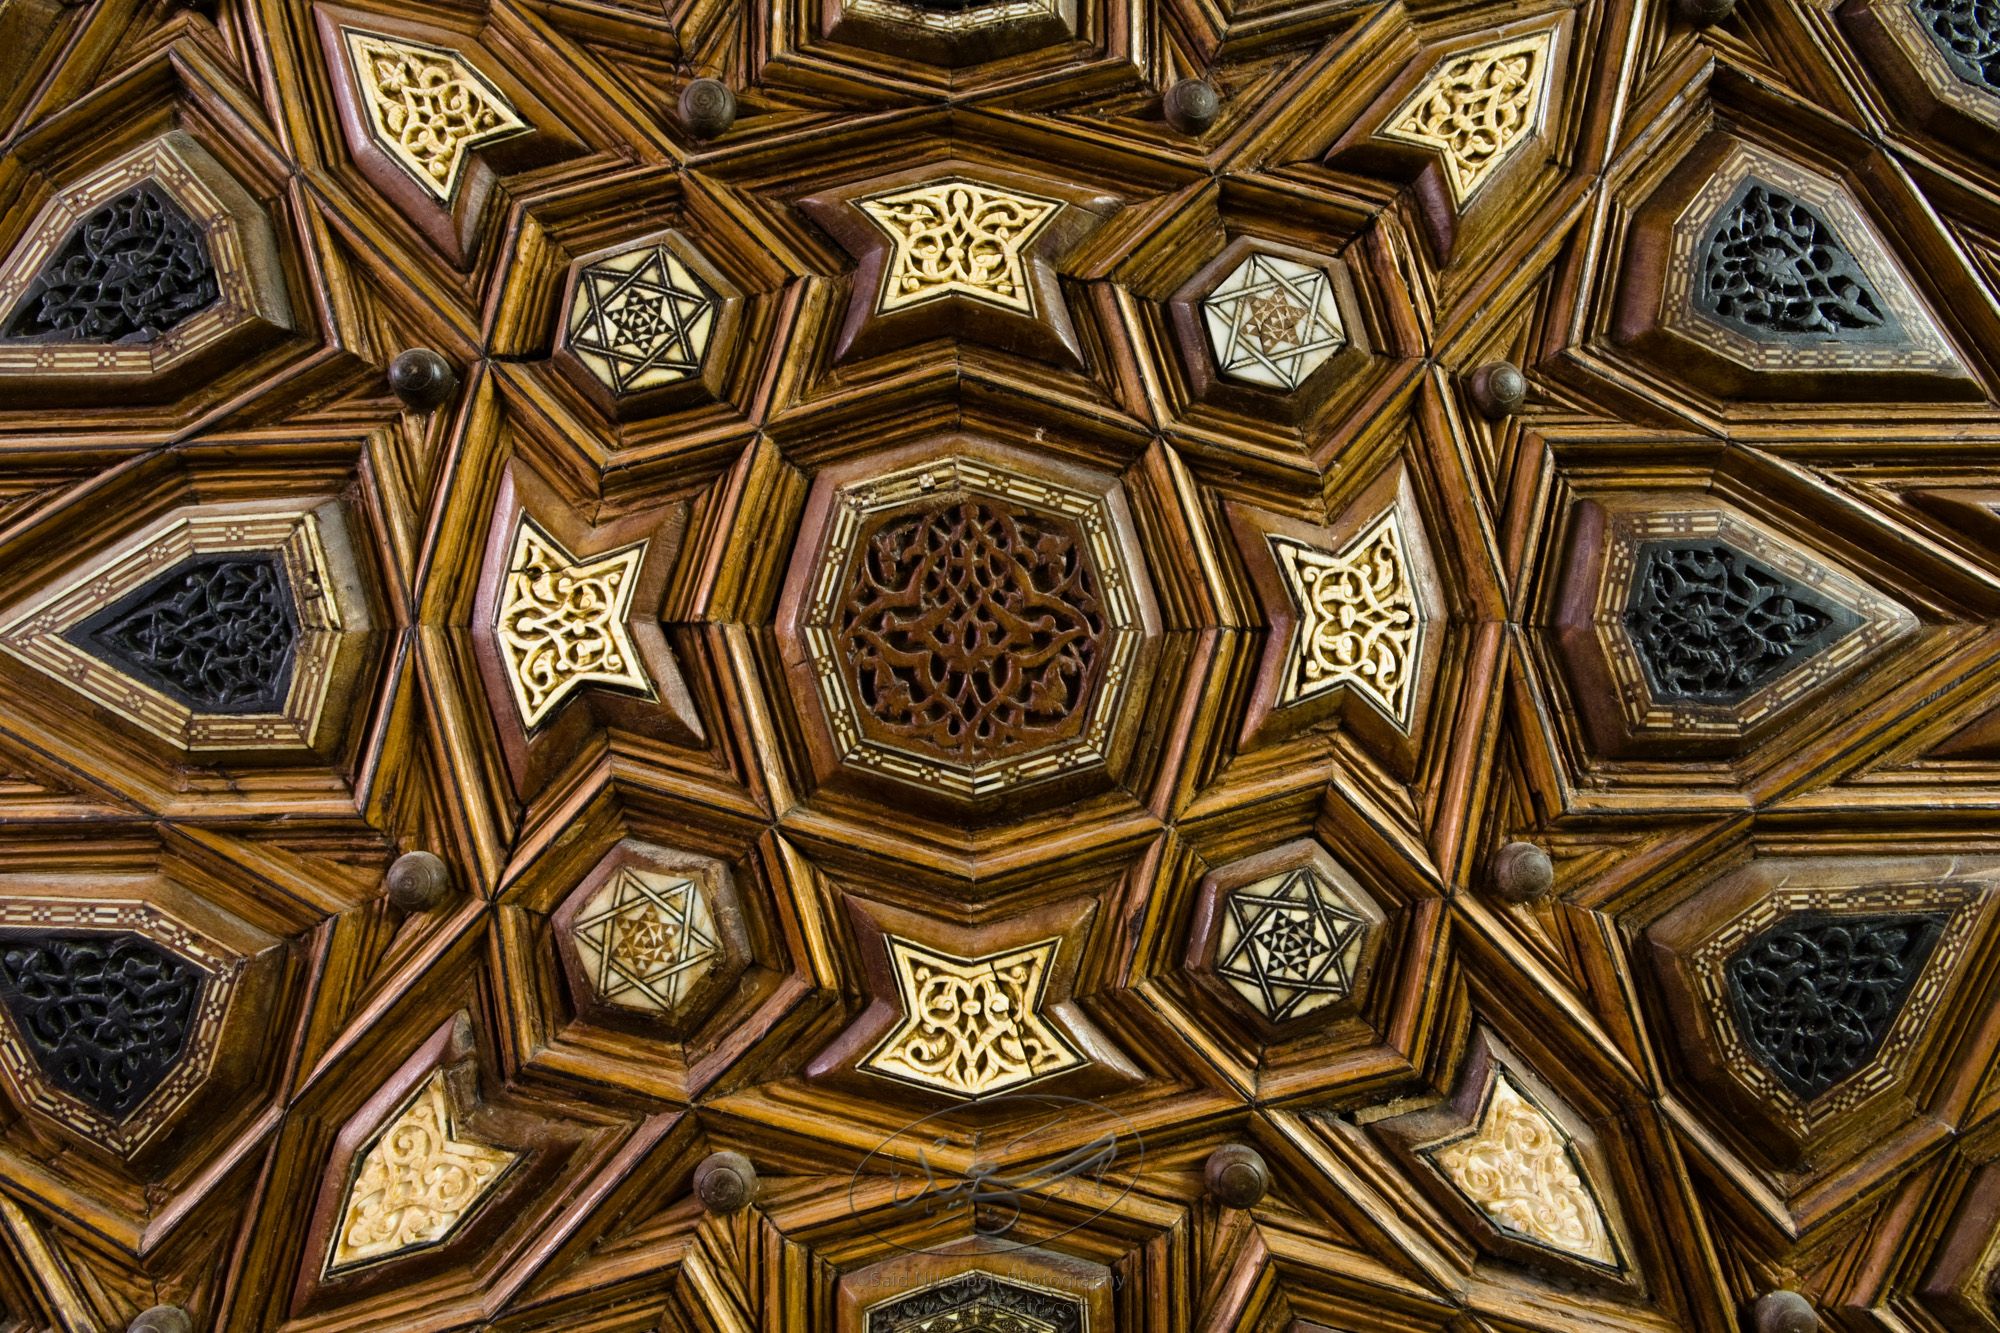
{"x": 646, "y": 939}
{"x": 640, "y": 319}
{"x": 1289, "y": 943}
{"x": 1273, "y": 322}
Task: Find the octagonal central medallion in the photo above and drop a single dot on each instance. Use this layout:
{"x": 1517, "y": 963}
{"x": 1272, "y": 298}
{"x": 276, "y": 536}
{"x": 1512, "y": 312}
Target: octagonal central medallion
{"x": 970, "y": 624}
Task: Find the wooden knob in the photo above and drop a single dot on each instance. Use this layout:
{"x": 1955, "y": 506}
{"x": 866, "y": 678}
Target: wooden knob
{"x": 1783, "y": 1312}
{"x": 725, "y": 1182}
{"x": 1522, "y": 872}
{"x": 1702, "y": 13}
{"x": 162, "y": 1319}
{"x": 1192, "y": 105}
{"x": 1498, "y": 389}
{"x": 1237, "y": 1176}
{"x": 418, "y": 881}
{"x": 708, "y": 108}
{"x": 424, "y": 380}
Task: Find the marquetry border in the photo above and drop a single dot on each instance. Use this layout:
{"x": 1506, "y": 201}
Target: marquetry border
{"x": 219, "y": 967}
{"x": 1616, "y": 701}
{"x": 319, "y": 570}
{"x": 1891, "y": 33}
{"x": 252, "y": 306}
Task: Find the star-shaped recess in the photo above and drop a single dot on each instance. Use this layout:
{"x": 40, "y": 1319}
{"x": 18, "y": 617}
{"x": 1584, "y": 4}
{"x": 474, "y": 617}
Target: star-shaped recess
{"x": 967, "y": 1015}
{"x": 561, "y": 622}
{"x": 1356, "y": 615}
{"x": 957, "y": 250}
{"x": 566, "y": 630}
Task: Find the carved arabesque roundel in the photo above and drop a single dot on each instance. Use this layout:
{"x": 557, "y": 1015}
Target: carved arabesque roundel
{"x": 973, "y": 630}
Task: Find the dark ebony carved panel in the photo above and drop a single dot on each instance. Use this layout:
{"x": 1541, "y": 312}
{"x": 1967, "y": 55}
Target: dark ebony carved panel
{"x": 135, "y": 267}
{"x": 974, "y": 631}
{"x": 1775, "y": 269}
{"x": 979, "y": 1303}
{"x": 1815, "y": 994}
{"x": 1710, "y": 624}
{"x": 1968, "y": 33}
{"x": 106, "y": 1015}
{"x": 217, "y": 633}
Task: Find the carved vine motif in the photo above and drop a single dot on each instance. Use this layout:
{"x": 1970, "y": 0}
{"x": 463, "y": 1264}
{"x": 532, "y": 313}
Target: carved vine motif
{"x": 427, "y": 108}
{"x": 1815, "y": 994}
{"x": 1477, "y": 109}
{"x": 1967, "y": 32}
{"x": 973, "y": 631}
{"x": 417, "y": 1182}
{"x": 1774, "y": 268}
{"x": 132, "y": 269}
{"x": 646, "y": 940}
{"x": 106, "y": 1015}
{"x": 561, "y": 622}
{"x": 1520, "y": 1169}
{"x": 1289, "y": 944}
{"x": 958, "y": 236}
{"x": 1359, "y": 622}
{"x": 978, "y": 1303}
{"x": 1711, "y": 625}
{"x": 218, "y": 633}
{"x": 971, "y": 1026}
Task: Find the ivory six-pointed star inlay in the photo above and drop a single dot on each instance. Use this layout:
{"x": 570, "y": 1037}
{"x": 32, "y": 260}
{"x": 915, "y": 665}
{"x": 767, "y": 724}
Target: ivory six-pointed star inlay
{"x": 562, "y": 622}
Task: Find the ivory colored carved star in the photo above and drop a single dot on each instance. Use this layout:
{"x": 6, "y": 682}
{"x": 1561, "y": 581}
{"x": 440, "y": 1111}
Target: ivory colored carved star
{"x": 958, "y": 250}
{"x": 561, "y": 623}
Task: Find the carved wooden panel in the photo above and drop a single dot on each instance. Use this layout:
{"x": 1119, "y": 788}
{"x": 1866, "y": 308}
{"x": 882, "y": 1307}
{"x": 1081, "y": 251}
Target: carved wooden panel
{"x": 1000, "y": 666}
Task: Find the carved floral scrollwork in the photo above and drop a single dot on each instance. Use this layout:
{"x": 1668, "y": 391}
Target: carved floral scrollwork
{"x": 971, "y": 1026}
{"x": 561, "y": 622}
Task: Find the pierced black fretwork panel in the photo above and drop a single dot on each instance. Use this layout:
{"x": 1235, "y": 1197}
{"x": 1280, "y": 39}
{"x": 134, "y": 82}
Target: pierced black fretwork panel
{"x": 978, "y": 1302}
{"x": 1816, "y": 993}
{"x": 105, "y": 1014}
{"x": 1711, "y": 625}
{"x": 134, "y": 268}
{"x": 1967, "y": 32}
{"x": 217, "y": 633}
{"x": 1774, "y": 269}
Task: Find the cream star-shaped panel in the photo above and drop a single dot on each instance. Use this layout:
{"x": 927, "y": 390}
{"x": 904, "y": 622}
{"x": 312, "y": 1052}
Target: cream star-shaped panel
{"x": 958, "y": 236}
{"x": 1360, "y": 623}
{"x": 427, "y": 107}
{"x": 646, "y": 940}
{"x": 561, "y": 622}
{"x": 640, "y": 319}
{"x": 1477, "y": 108}
{"x": 971, "y": 1027}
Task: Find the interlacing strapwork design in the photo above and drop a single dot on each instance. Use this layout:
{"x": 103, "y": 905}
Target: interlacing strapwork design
{"x": 979, "y": 1303}
{"x": 1518, "y": 1167}
{"x": 646, "y": 940}
{"x": 1711, "y": 625}
{"x": 217, "y": 632}
{"x": 561, "y": 622}
{"x": 958, "y": 237}
{"x": 1477, "y": 109}
{"x": 1815, "y": 995}
{"x": 1289, "y": 944}
{"x": 1273, "y": 321}
{"x": 640, "y": 319}
{"x": 1359, "y": 621}
{"x": 1967, "y": 33}
{"x": 105, "y": 1014}
{"x": 416, "y": 1184}
{"x": 973, "y": 630}
{"x": 132, "y": 269}
{"x": 427, "y": 107}
{"x": 1775, "y": 269}
{"x": 971, "y": 1027}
